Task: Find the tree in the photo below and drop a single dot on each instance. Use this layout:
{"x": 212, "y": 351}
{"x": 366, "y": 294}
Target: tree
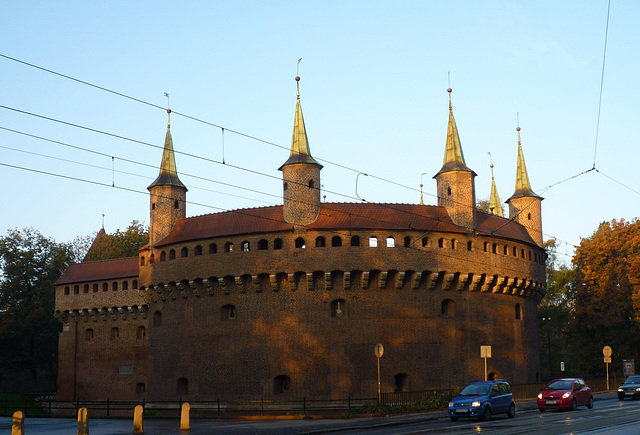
{"x": 29, "y": 265}
{"x": 554, "y": 315}
{"x": 117, "y": 245}
{"x": 606, "y": 294}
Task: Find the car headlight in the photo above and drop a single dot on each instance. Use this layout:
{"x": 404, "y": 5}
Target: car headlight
{"x": 475, "y": 404}
{"x": 450, "y": 404}
{"x": 565, "y": 395}
{"x": 620, "y": 390}
{"x": 637, "y": 389}
{"x": 539, "y": 395}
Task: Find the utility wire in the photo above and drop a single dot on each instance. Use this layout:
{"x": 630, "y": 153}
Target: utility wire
{"x": 604, "y": 56}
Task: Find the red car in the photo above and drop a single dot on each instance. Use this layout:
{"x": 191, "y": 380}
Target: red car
{"x": 566, "y": 393}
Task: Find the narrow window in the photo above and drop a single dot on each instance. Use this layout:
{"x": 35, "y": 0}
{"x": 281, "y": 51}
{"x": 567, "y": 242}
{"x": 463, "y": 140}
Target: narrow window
{"x": 141, "y": 388}
{"x": 338, "y": 308}
{"x": 157, "y": 319}
{"x": 141, "y": 332}
{"x": 125, "y": 285}
{"x": 453, "y": 243}
{"x": 197, "y": 250}
{"x": 263, "y": 245}
{"x": 529, "y": 255}
{"x": 66, "y": 290}
{"x": 141, "y": 261}
{"x": 515, "y": 251}
{"x": 172, "y": 254}
{"x": 76, "y": 289}
{"x": 440, "y": 243}
{"x": 176, "y": 204}
{"x": 311, "y": 184}
{"x": 300, "y": 243}
{"x": 105, "y": 287}
{"x": 95, "y": 288}
{"x": 355, "y": 241}
{"x": 485, "y": 246}
{"x": 505, "y": 250}
{"x": 285, "y": 186}
{"x": 85, "y": 289}
{"x": 244, "y": 246}
{"x": 407, "y": 242}
{"x": 425, "y": 242}
{"x": 373, "y": 242}
{"x": 449, "y": 191}
{"x": 228, "y": 312}
{"x": 469, "y": 245}
{"x": 228, "y": 247}
{"x": 163, "y": 256}
{"x": 182, "y": 387}
{"x": 115, "y": 333}
{"x": 114, "y": 286}
{"x": 518, "y": 312}
{"x": 134, "y": 284}
{"x": 529, "y": 216}
{"x": 88, "y": 335}
{"x": 402, "y": 382}
{"x": 281, "y": 384}
{"x": 336, "y": 241}
{"x": 213, "y": 248}
{"x": 153, "y": 206}
{"x": 320, "y": 242}
{"x": 448, "y": 308}
{"x": 277, "y": 244}
{"x": 391, "y": 242}
{"x": 522, "y": 253}
{"x": 152, "y": 259}
{"x": 184, "y": 252}
{"x": 494, "y": 248}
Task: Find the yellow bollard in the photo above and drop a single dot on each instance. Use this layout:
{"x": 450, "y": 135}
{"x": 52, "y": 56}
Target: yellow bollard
{"x": 83, "y": 422}
{"x": 184, "y": 417}
{"x": 138, "y": 420}
{"x": 18, "y": 423}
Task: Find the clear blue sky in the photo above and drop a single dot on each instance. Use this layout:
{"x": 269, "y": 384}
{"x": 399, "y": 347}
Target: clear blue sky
{"x": 373, "y": 90}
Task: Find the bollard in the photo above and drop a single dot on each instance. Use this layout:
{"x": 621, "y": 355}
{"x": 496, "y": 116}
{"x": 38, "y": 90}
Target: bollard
{"x": 138, "y": 420}
{"x": 83, "y": 422}
{"x": 184, "y": 417}
{"x": 18, "y": 424}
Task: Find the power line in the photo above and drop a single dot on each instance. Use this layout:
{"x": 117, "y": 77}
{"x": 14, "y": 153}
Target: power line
{"x": 604, "y": 56}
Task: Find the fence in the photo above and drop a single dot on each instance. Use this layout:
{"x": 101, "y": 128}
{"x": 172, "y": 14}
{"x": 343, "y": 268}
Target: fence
{"x": 48, "y": 406}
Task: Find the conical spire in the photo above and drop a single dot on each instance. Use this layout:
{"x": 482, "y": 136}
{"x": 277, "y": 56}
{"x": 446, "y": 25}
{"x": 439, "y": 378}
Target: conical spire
{"x": 168, "y": 174}
{"x": 495, "y": 207}
{"x": 453, "y": 157}
{"x": 523, "y": 187}
{"x": 300, "y": 152}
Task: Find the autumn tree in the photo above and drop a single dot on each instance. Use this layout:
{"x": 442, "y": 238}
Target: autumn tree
{"x": 605, "y": 298}
{"x": 30, "y": 263}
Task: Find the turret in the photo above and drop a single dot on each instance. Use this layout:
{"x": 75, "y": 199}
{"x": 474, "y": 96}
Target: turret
{"x": 525, "y": 207}
{"x": 300, "y": 175}
{"x": 495, "y": 206}
{"x": 168, "y": 194}
{"x": 456, "y": 182}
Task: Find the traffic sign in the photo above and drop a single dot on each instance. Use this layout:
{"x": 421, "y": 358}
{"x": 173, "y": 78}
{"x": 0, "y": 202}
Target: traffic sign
{"x": 606, "y": 351}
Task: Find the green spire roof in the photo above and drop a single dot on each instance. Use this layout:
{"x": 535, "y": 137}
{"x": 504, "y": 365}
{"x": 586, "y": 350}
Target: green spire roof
{"x": 523, "y": 187}
{"x": 453, "y": 157}
{"x": 495, "y": 206}
{"x": 168, "y": 174}
{"x": 300, "y": 152}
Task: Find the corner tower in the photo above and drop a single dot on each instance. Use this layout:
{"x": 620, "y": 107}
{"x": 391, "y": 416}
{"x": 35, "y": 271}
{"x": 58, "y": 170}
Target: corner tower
{"x": 168, "y": 194}
{"x": 300, "y": 175}
{"x": 456, "y": 182}
{"x": 525, "y": 207}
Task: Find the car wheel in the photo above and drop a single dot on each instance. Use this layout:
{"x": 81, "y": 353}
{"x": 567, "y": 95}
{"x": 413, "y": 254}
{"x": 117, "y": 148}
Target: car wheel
{"x": 541, "y": 409}
{"x": 590, "y": 403}
{"x": 574, "y": 405}
{"x": 512, "y": 411}
{"x": 454, "y": 419}
{"x": 621, "y": 398}
{"x": 487, "y": 414}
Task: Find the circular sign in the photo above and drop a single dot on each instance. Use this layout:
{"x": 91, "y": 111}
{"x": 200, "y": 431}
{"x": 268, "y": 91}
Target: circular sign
{"x": 606, "y": 351}
{"x": 378, "y": 349}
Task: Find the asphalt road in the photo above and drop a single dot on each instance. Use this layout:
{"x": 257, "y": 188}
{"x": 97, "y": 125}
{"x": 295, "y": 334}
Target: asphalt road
{"x": 609, "y": 416}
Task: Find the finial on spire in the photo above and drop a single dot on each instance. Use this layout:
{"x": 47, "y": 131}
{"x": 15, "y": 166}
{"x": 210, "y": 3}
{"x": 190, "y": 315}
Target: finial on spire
{"x": 103, "y": 221}
{"x": 298, "y": 78}
{"x": 449, "y": 90}
{"x": 168, "y": 110}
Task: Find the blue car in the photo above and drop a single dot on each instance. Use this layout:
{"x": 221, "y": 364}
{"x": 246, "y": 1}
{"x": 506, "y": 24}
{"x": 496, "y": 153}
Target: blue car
{"x": 482, "y": 400}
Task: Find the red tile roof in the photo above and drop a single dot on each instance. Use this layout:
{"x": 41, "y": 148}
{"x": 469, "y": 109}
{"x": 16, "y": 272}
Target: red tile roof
{"x": 339, "y": 216}
{"x": 100, "y": 270}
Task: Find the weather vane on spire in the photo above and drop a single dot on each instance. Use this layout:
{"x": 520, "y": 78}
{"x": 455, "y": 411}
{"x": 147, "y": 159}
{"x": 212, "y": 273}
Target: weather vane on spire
{"x": 166, "y": 94}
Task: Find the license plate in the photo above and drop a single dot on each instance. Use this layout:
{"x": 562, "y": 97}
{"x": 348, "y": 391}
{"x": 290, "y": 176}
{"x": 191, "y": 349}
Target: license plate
{"x": 552, "y": 402}
{"x": 462, "y": 411}
{"x": 629, "y": 393}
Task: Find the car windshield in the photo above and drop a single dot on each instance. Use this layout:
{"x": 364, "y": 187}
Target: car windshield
{"x": 475, "y": 390}
{"x": 559, "y": 385}
{"x": 633, "y": 380}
